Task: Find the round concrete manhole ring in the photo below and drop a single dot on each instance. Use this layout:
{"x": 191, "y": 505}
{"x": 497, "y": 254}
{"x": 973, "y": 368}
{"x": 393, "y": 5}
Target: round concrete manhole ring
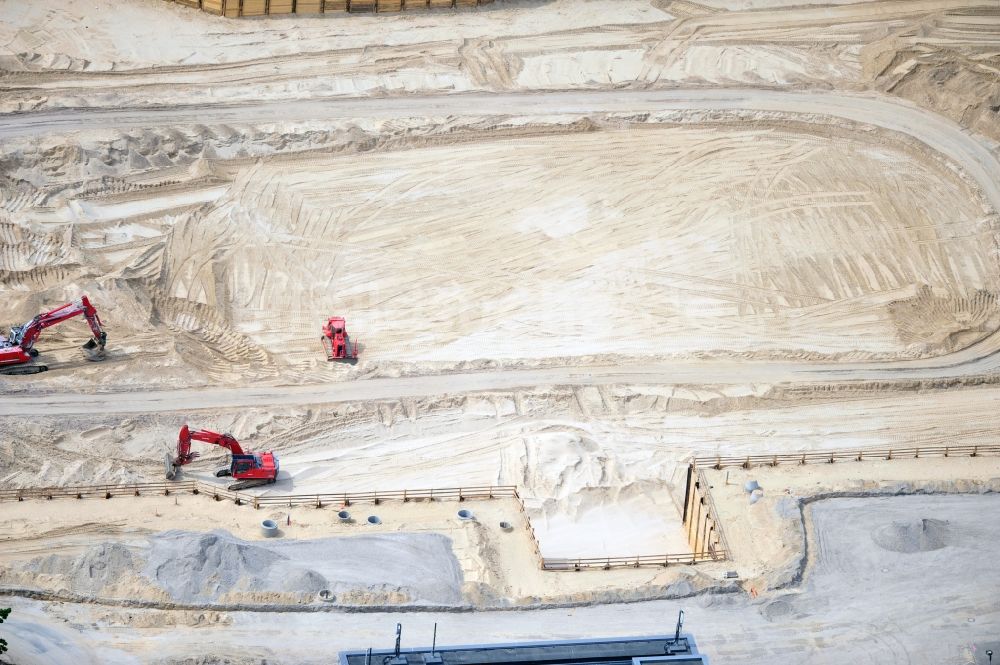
{"x": 269, "y": 528}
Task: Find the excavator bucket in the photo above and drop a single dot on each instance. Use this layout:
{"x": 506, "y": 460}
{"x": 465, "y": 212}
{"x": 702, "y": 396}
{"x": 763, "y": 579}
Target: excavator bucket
{"x": 170, "y": 467}
{"x": 94, "y": 350}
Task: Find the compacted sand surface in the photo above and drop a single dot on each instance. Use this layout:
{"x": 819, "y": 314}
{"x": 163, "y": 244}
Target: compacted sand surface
{"x": 577, "y": 243}
{"x": 851, "y": 576}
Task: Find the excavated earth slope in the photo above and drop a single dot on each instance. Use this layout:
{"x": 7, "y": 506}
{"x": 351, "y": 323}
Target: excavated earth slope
{"x": 708, "y": 227}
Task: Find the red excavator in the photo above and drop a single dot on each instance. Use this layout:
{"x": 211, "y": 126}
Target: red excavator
{"x": 251, "y": 469}
{"x": 17, "y": 349}
{"x": 336, "y": 341}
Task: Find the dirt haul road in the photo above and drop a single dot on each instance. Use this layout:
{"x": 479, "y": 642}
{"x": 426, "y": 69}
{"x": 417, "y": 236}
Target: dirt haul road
{"x": 977, "y": 156}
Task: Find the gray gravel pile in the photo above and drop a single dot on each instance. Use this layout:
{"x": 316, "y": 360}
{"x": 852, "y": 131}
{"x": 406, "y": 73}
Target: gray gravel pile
{"x": 922, "y": 535}
{"x": 91, "y": 572}
{"x": 193, "y": 568}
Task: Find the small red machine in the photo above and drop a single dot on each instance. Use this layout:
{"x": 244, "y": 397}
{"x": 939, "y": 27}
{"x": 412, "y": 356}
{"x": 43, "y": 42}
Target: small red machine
{"x": 336, "y": 341}
{"x": 251, "y": 469}
{"x": 17, "y": 349}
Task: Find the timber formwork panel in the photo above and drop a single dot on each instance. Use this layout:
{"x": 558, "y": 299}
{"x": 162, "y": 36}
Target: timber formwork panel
{"x": 237, "y": 8}
{"x": 254, "y": 7}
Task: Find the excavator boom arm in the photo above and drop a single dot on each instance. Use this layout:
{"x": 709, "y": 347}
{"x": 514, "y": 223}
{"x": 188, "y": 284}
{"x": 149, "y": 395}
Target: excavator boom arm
{"x": 26, "y": 335}
{"x": 186, "y": 436}
{"x": 250, "y": 469}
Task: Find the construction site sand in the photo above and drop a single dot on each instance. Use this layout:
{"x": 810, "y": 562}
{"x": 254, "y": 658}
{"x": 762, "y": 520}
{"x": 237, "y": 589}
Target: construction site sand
{"x": 856, "y": 604}
{"x": 146, "y": 550}
{"x": 766, "y": 538}
{"x": 599, "y": 467}
{"x": 942, "y": 55}
{"x": 587, "y": 456}
{"x": 741, "y": 239}
{"x": 185, "y": 568}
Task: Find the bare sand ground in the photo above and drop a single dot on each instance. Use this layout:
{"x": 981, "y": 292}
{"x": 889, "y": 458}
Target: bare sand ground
{"x": 942, "y": 55}
{"x": 581, "y": 456}
{"x": 766, "y": 536}
{"x": 72, "y": 550}
{"x": 218, "y": 200}
{"x": 232, "y": 261}
{"x": 823, "y": 619}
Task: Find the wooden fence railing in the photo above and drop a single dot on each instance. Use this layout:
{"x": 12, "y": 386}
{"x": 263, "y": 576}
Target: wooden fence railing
{"x": 607, "y": 563}
{"x": 320, "y": 499}
{"x": 700, "y": 516}
{"x": 91, "y": 491}
{"x": 219, "y": 493}
{"x": 237, "y": 8}
{"x": 531, "y": 530}
{"x": 855, "y": 455}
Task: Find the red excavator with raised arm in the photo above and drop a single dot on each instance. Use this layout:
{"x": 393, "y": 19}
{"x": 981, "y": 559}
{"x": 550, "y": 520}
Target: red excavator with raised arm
{"x": 251, "y": 469}
{"x": 17, "y": 349}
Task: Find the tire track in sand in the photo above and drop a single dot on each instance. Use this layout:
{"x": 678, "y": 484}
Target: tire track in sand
{"x": 976, "y": 156}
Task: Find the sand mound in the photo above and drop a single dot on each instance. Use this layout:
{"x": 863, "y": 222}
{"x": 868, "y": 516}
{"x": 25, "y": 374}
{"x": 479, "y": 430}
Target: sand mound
{"x": 95, "y": 571}
{"x": 195, "y": 568}
{"x": 922, "y": 535}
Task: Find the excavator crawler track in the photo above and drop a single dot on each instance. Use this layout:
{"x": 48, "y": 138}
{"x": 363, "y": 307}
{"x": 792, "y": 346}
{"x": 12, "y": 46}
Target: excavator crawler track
{"x": 247, "y": 484}
{"x": 24, "y": 370}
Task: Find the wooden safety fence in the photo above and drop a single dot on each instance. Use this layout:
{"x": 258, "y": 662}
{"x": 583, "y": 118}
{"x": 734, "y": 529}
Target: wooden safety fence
{"x": 607, "y": 563}
{"x": 855, "y": 455}
{"x": 92, "y": 491}
{"x": 238, "y": 8}
{"x": 240, "y": 498}
{"x": 531, "y": 530}
{"x": 321, "y": 499}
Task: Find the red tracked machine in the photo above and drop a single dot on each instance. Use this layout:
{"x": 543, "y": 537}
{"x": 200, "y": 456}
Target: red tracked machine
{"x": 17, "y": 349}
{"x": 250, "y": 469}
{"x": 336, "y": 341}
